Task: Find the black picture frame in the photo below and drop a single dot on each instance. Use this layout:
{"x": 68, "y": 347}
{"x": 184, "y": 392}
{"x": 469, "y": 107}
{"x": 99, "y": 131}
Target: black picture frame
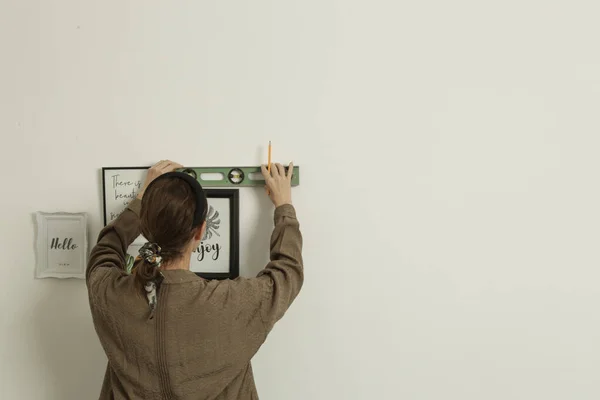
{"x": 234, "y": 233}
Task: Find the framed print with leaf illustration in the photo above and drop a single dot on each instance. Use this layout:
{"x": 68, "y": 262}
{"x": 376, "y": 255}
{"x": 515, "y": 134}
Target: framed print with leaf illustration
{"x": 217, "y": 256}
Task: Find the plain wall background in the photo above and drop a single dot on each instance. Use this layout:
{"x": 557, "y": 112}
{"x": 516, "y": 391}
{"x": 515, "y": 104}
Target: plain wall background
{"x": 449, "y": 197}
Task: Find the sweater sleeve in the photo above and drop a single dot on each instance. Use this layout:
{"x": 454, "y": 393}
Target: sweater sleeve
{"x": 113, "y": 241}
{"x": 283, "y": 276}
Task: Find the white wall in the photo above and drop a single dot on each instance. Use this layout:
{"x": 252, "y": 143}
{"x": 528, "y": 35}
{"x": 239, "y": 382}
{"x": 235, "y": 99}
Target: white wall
{"x": 449, "y": 195}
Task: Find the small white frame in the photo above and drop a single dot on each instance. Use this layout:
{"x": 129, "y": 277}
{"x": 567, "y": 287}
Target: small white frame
{"x": 61, "y": 245}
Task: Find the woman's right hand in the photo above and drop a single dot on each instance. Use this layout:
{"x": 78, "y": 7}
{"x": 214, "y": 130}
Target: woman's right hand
{"x": 278, "y": 183}
{"x": 158, "y": 169}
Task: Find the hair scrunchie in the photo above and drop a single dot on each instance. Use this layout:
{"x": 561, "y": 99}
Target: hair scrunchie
{"x": 150, "y": 252}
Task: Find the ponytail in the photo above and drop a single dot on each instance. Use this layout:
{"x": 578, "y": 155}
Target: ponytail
{"x": 147, "y": 274}
{"x": 173, "y": 209}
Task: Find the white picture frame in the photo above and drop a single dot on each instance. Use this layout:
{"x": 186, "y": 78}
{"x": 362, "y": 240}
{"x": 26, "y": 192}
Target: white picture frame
{"x": 61, "y": 245}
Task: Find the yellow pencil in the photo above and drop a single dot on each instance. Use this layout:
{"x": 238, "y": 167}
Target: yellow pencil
{"x": 269, "y": 156}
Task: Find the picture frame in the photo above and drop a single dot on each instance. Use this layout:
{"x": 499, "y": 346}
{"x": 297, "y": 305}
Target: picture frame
{"x": 110, "y": 178}
{"x": 61, "y": 245}
{"x": 217, "y": 257}
{"x": 223, "y": 213}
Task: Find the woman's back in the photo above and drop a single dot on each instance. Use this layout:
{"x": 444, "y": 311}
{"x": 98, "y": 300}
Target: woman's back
{"x": 198, "y": 339}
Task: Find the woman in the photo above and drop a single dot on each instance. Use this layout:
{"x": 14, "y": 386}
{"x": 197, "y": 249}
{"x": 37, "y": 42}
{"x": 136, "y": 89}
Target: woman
{"x": 167, "y": 333}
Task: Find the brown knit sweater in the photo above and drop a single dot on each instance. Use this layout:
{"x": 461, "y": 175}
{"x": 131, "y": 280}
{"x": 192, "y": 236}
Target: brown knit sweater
{"x": 203, "y": 334}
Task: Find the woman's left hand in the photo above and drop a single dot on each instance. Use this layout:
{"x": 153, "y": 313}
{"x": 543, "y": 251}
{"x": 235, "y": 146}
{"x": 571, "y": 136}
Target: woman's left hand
{"x": 158, "y": 169}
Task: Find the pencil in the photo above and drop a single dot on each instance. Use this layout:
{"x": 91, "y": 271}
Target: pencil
{"x": 269, "y": 156}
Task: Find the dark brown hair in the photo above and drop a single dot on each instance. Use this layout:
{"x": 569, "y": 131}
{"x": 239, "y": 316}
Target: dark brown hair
{"x": 166, "y": 217}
